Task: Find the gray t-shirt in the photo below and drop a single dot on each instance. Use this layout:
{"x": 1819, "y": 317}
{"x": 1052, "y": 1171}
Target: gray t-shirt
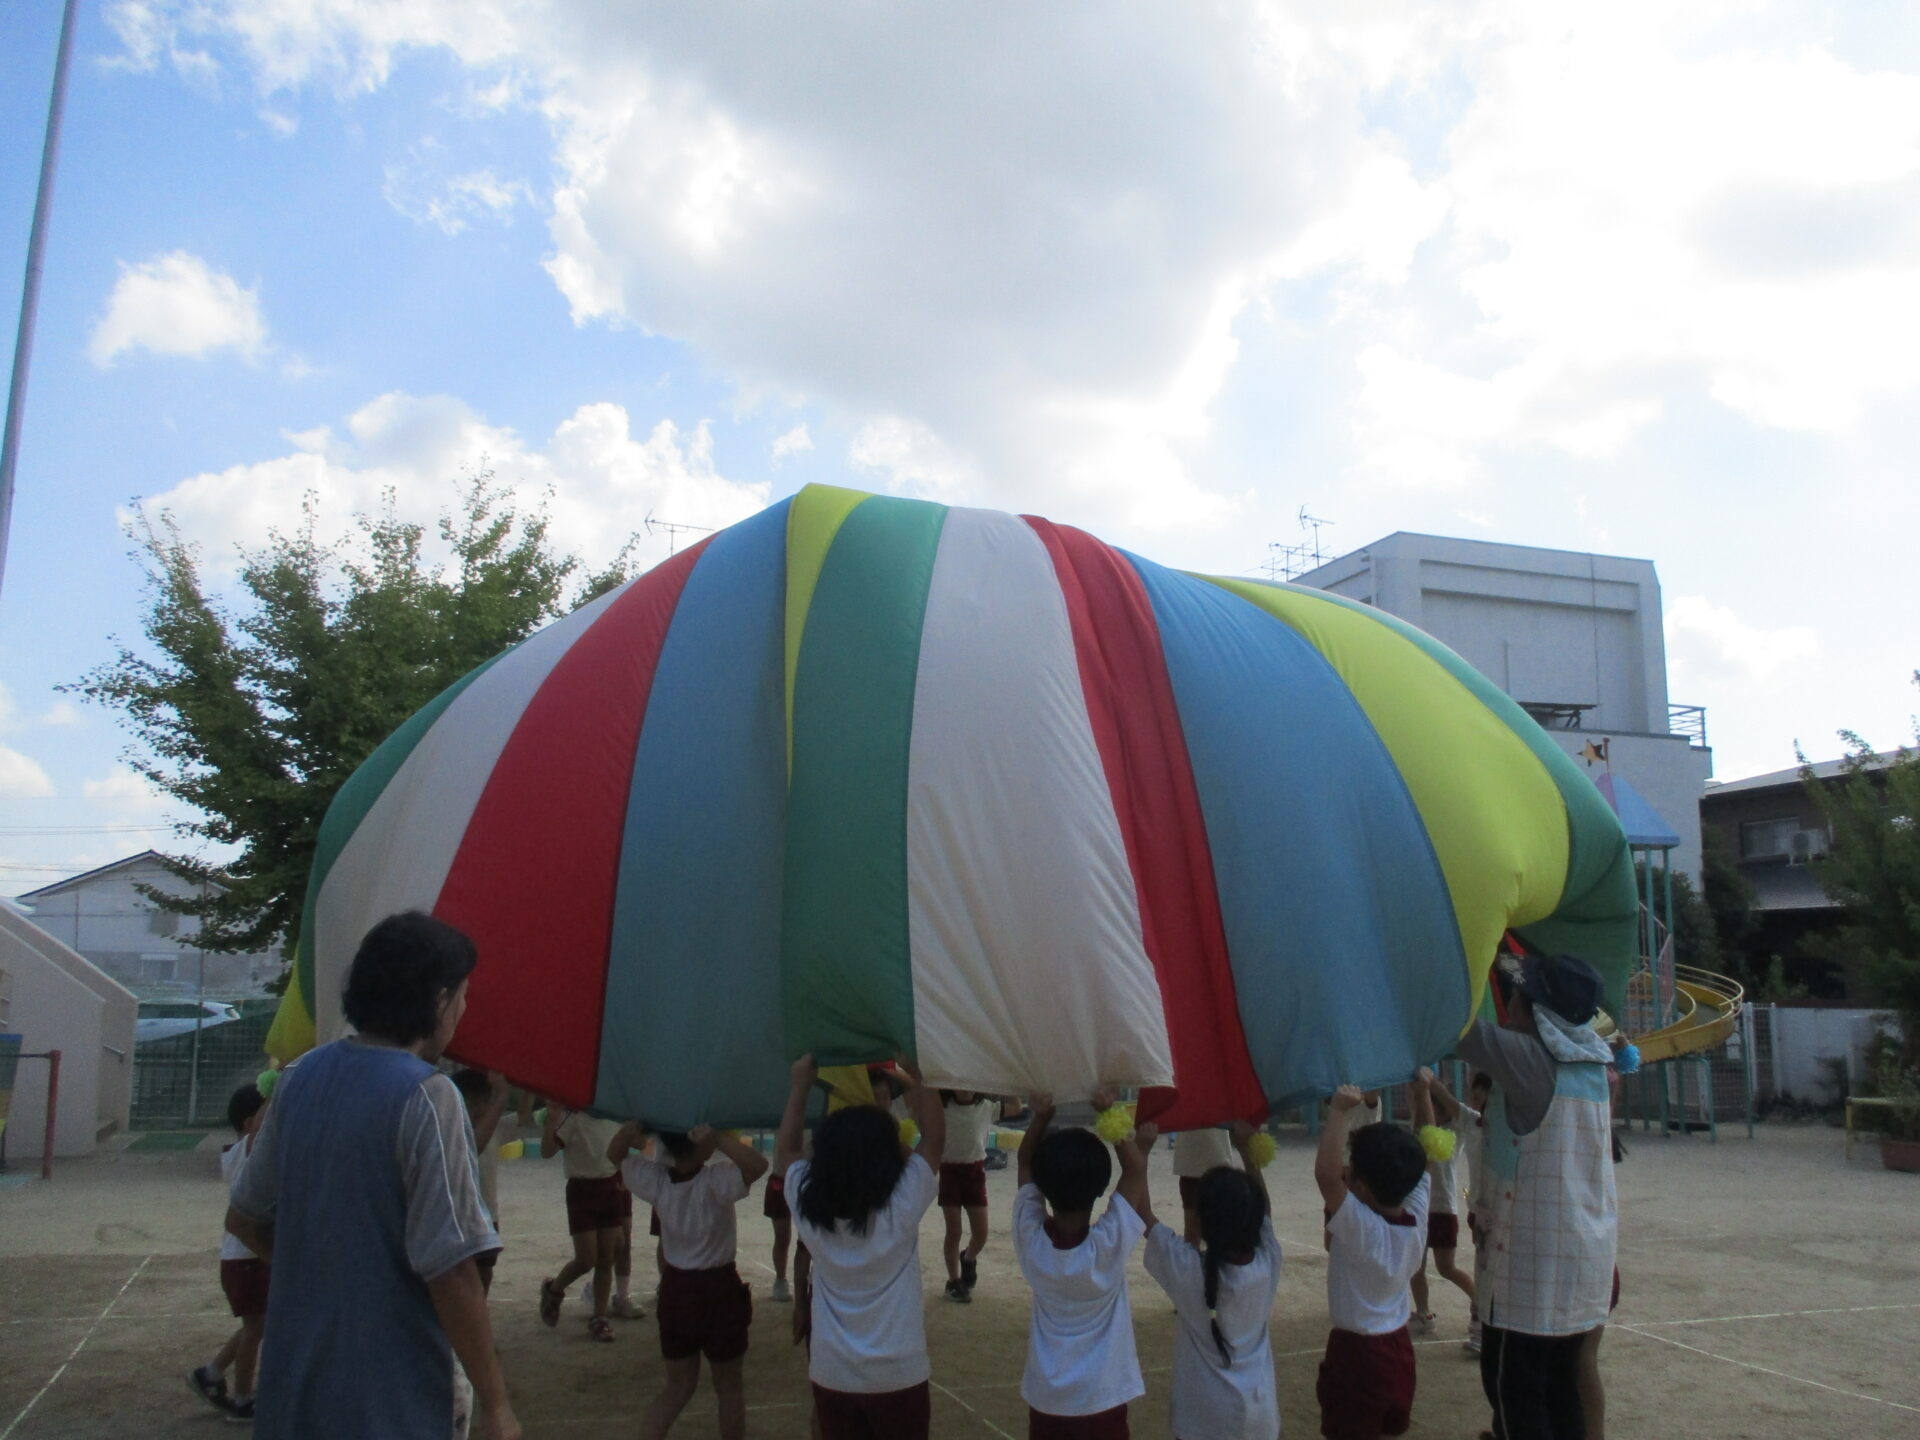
{"x": 1519, "y": 1065}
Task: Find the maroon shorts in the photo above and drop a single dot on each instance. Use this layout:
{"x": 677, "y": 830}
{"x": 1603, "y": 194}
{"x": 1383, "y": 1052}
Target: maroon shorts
{"x": 1443, "y": 1232}
{"x": 1107, "y": 1425}
{"x": 596, "y": 1205}
{"x": 964, "y": 1184}
{"x": 774, "y": 1204}
{"x": 1366, "y": 1385}
{"x": 704, "y": 1312}
{"x": 244, "y": 1283}
{"x": 892, "y": 1415}
{"x": 1189, "y": 1191}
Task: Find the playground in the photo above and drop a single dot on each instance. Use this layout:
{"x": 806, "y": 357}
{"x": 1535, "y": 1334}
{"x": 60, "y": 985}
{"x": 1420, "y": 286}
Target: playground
{"x": 1769, "y": 1289}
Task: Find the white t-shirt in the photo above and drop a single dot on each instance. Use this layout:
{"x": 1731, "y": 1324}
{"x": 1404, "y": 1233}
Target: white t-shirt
{"x": 1447, "y": 1194}
{"x": 696, "y": 1213}
{"x": 1197, "y": 1151}
{"x": 1080, "y": 1353}
{"x": 1222, "y": 1400}
{"x": 1371, "y": 1260}
{"x": 586, "y": 1140}
{"x": 869, "y": 1334}
{"x": 233, "y": 1160}
{"x": 967, "y": 1128}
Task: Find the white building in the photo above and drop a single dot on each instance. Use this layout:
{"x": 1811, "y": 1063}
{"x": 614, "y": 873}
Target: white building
{"x": 55, "y": 1000}
{"x": 1576, "y": 639}
{"x": 104, "y": 916}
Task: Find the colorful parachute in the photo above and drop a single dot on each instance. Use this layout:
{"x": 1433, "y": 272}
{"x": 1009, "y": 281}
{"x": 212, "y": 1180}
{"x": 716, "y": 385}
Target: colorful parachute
{"x": 862, "y": 775}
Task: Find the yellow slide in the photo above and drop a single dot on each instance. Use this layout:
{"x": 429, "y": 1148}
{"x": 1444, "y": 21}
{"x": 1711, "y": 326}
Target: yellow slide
{"x": 1708, "y": 1008}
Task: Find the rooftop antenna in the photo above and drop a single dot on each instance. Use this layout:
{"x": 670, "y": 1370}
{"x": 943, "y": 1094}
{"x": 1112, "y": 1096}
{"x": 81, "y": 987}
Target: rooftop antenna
{"x": 1289, "y": 562}
{"x": 673, "y": 530}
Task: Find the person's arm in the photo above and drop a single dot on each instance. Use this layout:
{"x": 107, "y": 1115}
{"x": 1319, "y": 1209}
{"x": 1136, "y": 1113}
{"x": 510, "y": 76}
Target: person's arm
{"x": 1042, "y": 1106}
{"x": 461, "y": 1303}
{"x": 1132, "y": 1187}
{"x": 550, "y": 1142}
{"x": 624, "y": 1142}
{"x": 251, "y": 1233}
{"x": 749, "y": 1161}
{"x": 929, "y": 1114}
{"x": 1241, "y": 1133}
{"x": 253, "y": 1198}
{"x": 1420, "y": 1098}
{"x": 488, "y": 1120}
{"x": 1330, "y": 1160}
{"x": 791, "y": 1141}
{"x": 1520, "y": 1067}
{"x": 1446, "y": 1106}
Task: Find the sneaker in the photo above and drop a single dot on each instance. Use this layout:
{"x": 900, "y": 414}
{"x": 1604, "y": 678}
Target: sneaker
{"x": 600, "y": 1328}
{"x": 782, "y": 1292}
{"x": 551, "y": 1298}
{"x": 957, "y": 1292}
{"x": 210, "y": 1385}
{"x": 969, "y": 1271}
{"x": 628, "y": 1308}
{"x": 1423, "y": 1324}
{"x": 1471, "y": 1344}
{"x": 240, "y": 1412}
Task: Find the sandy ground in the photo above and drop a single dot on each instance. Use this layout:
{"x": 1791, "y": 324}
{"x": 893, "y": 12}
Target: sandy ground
{"x": 1771, "y": 1289}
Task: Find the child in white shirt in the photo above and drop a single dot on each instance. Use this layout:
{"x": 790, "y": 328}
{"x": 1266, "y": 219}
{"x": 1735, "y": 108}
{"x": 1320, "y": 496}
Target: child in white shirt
{"x": 1223, "y": 1385}
{"x": 963, "y": 1185}
{"x": 1376, "y": 1234}
{"x": 598, "y": 1212}
{"x": 1082, "y": 1369}
{"x": 244, "y": 1278}
{"x": 705, "y": 1307}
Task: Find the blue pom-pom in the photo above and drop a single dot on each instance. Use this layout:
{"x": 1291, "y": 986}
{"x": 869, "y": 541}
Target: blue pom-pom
{"x": 1627, "y": 1059}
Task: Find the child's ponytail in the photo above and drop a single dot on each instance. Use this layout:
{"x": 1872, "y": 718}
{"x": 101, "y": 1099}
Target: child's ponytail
{"x": 1210, "y": 1267}
{"x": 1232, "y": 1210}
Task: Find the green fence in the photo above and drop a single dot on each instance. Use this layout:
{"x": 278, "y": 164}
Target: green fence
{"x": 184, "y": 1082}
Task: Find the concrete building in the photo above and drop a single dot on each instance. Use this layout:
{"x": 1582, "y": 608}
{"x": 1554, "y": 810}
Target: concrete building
{"x": 1576, "y": 639}
{"x": 55, "y": 1000}
{"x": 104, "y": 916}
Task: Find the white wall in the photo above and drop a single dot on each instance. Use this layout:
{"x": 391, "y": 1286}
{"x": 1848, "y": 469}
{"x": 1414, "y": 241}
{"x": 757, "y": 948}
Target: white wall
{"x": 1805, "y": 1040}
{"x": 58, "y": 1001}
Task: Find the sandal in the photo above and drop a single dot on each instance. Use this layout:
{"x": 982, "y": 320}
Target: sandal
{"x": 600, "y": 1328}
{"x": 550, "y": 1299}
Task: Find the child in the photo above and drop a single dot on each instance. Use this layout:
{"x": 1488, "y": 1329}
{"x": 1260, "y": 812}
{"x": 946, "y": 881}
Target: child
{"x": 1432, "y": 1104}
{"x": 1223, "y": 1382}
{"x": 1082, "y": 1371}
{"x": 1471, "y": 1132}
{"x": 597, "y": 1204}
{"x": 857, "y": 1206}
{"x": 1376, "y": 1233}
{"x": 244, "y": 1277}
{"x": 486, "y": 1097}
{"x": 705, "y": 1307}
{"x": 1195, "y": 1152}
{"x": 963, "y": 1185}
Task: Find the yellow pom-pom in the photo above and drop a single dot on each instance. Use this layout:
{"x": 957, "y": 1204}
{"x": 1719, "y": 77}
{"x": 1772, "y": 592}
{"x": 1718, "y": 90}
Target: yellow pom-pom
{"x": 1114, "y": 1124}
{"x": 909, "y": 1134}
{"x": 1438, "y": 1143}
{"x": 1261, "y": 1150}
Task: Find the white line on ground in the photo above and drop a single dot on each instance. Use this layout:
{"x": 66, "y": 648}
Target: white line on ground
{"x": 96, "y": 1319}
{"x": 1759, "y": 1369}
{"x": 1774, "y": 1315}
{"x": 78, "y": 1346}
{"x": 962, "y": 1404}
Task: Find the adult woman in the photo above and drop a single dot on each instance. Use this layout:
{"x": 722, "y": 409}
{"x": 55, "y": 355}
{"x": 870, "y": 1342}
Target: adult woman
{"x": 363, "y": 1188}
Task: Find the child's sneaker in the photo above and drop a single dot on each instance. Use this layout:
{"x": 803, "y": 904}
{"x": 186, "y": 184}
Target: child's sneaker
{"x": 628, "y": 1308}
{"x": 210, "y": 1385}
{"x": 969, "y": 1271}
{"x": 600, "y": 1328}
{"x": 240, "y": 1412}
{"x": 782, "y": 1292}
{"x": 957, "y": 1292}
{"x": 1423, "y": 1324}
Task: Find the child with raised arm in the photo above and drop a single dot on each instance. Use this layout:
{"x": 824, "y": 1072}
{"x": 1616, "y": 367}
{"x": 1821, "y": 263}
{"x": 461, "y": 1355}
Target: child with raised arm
{"x": 705, "y": 1307}
{"x": 963, "y": 1186}
{"x": 1434, "y": 1105}
{"x": 244, "y": 1277}
{"x": 1376, "y": 1204}
{"x": 1082, "y": 1370}
{"x": 857, "y": 1206}
{"x": 1223, "y": 1386}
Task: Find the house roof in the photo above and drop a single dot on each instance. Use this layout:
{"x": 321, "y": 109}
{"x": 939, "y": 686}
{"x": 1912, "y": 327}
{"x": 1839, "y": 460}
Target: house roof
{"x": 99, "y": 871}
{"x": 1777, "y": 779}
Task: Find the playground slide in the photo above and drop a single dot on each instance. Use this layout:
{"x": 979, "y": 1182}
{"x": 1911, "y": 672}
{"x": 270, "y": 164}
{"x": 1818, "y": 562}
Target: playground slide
{"x": 1707, "y": 1007}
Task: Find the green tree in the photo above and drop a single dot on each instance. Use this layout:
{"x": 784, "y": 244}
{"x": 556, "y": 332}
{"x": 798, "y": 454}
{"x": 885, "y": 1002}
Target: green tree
{"x": 1873, "y": 869}
{"x": 255, "y": 715}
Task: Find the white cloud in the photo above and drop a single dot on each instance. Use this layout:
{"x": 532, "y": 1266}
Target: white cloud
{"x": 176, "y": 304}
{"x": 62, "y": 712}
{"x": 604, "y": 480}
{"x": 796, "y": 441}
{"x": 124, "y": 792}
{"x": 1704, "y": 637}
{"x": 421, "y": 189}
{"x": 21, "y": 777}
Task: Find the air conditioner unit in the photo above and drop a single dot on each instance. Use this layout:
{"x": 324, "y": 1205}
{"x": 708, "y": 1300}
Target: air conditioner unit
{"x": 1804, "y": 845}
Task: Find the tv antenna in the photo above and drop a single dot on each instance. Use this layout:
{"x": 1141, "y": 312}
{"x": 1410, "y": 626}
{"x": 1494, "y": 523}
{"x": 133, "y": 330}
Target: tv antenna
{"x": 673, "y": 530}
{"x": 1289, "y": 562}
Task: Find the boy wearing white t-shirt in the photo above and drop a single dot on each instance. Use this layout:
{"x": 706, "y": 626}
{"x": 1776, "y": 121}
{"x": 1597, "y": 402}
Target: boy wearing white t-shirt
{"x": 1376, "y": 1234}
{"x": 1082, "y": 1369}
{"x": 244, "y": 1278}
{"x": 963, "y": 1186}
{"x": 705, "y": 1307}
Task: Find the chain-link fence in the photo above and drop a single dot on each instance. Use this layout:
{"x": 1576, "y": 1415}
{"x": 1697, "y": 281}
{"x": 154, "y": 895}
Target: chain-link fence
{"x": 183, "y": 1081}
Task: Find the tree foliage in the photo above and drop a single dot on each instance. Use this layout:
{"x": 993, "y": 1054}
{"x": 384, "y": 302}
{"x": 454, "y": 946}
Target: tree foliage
{"x": 254, "y": 713}
{"x": 1873, "y": 870}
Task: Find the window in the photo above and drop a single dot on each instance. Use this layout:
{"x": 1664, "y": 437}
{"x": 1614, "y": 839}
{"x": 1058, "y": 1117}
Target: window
{"x": 1789, "y": 838}
{"x": 162, "y": 922}
{"x": 154, "y": 970}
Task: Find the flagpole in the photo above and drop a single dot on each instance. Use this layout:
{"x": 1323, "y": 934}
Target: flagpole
{"x": 30, "y": 292}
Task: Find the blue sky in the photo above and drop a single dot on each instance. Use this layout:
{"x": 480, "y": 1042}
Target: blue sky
{"x": 1643, "y": 283}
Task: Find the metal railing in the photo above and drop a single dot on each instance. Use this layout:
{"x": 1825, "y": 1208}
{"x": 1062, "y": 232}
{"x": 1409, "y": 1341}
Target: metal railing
{"x": 1690, "y": 721}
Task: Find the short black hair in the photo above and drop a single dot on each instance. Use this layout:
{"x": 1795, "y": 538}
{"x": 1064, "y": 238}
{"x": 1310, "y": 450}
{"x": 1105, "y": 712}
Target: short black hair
{"x": 1480, "y": 1080}
{"x": 243, "y": 1105}
{"x": 473, "y": 1084}
{"x": 675, "y": 1143}
{"x": 1388, "y": 1157}
{"x": 1072, "y": 1168}
{"x": 402, "y": 968}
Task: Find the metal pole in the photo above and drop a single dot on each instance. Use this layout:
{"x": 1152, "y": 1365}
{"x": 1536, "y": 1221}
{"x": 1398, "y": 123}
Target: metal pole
{"x": 199, "y": 1019}
{"x": 53, "y": 1115}
{"x": 30, "y": 291}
